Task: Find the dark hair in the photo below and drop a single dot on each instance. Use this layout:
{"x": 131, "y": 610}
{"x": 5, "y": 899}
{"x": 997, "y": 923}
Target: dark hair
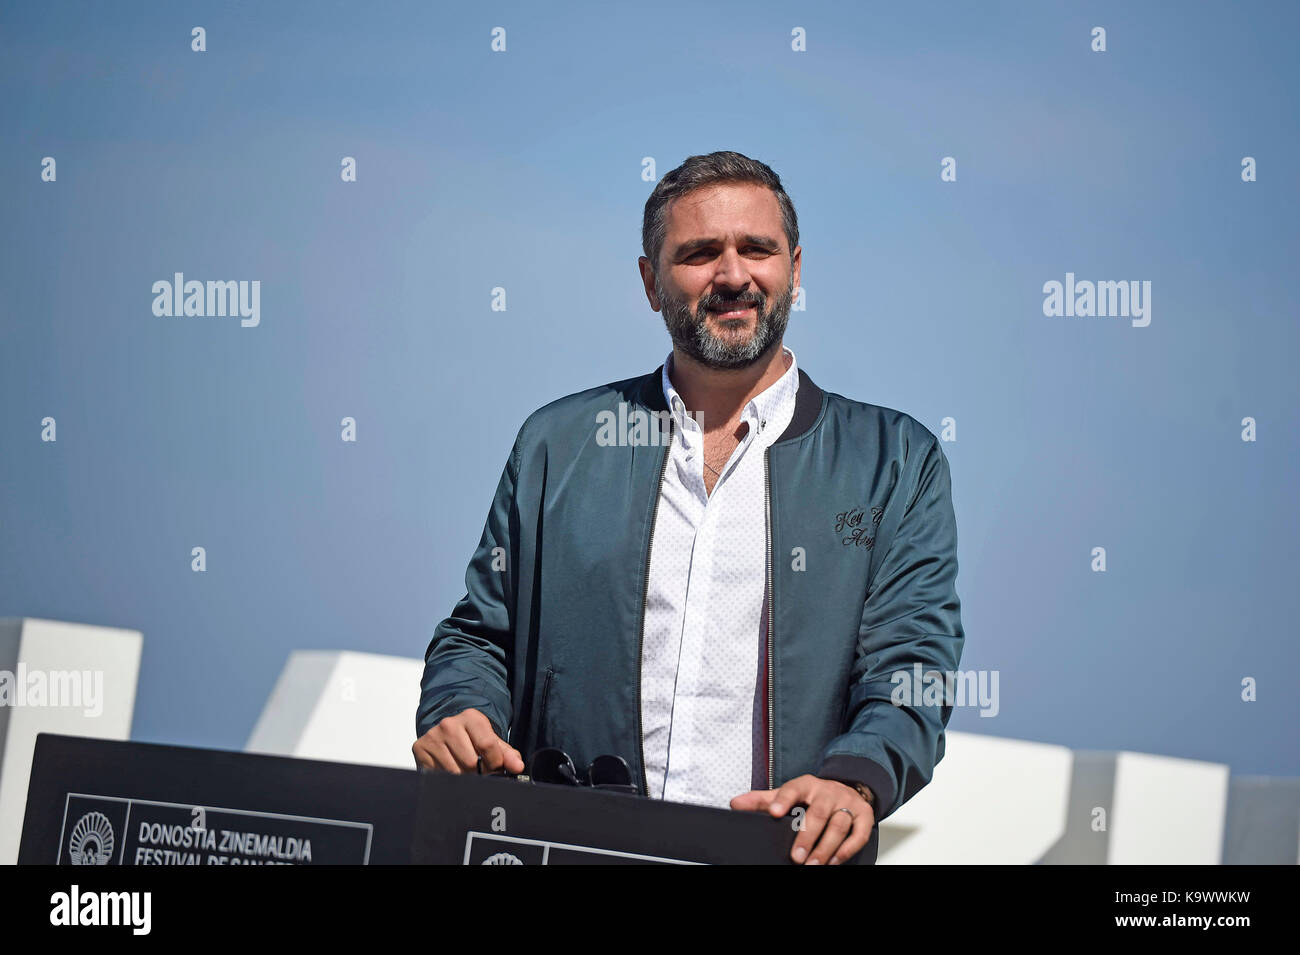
{"x": 699, "y": 171}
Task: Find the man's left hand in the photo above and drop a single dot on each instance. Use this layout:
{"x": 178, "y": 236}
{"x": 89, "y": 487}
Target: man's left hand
{"x": 841, "y": 834}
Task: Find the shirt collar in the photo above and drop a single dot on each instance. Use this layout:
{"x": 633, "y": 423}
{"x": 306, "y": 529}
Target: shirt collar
{"x": 772, "y": 408}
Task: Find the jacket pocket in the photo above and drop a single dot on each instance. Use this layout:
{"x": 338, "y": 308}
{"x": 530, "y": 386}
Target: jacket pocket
{"x": 547, "y": 680}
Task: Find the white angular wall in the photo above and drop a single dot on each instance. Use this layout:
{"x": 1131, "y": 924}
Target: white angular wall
{"x": 342, "y": 706}
{"x": 991, "y": 801}
{"x": 1006, "y": 801}
{"x": 1136, "y": 808}
{"x": 33, "y": 652}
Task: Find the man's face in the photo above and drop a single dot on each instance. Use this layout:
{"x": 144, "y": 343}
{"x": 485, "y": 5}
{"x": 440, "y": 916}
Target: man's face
{"x": 725, "y": 280}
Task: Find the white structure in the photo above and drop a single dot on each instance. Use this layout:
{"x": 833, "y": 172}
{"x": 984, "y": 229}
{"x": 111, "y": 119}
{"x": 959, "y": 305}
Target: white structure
{"x": 992, "y": 800}
{"x": 1128, "y": 808}
{"x": 1006, "y": 801}
{"x": 67, "y": 678}
{"x": 1160, "y": 809}
{"x": 342, "y": 706}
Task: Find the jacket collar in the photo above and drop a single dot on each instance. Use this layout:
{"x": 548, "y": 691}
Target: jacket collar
{"x": 808, "y": 402}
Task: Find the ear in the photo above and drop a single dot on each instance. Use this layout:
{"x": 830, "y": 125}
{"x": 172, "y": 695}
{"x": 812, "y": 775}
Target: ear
{"x": 648, "y": 280}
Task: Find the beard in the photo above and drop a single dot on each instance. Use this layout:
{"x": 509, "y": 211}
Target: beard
{"x": 690, "y": 330}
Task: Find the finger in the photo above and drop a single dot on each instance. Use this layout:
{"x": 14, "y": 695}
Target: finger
{"x": 497, "y": 753}
{"x": 462, "y": 750}
{"x": 481, "y": 735}
{"x": 512, "y": 759}
{"x": 420, "y": 750}
{"x": 442, "y": 758}
{"x": 429, "y": 752}
{"x": 492, "y": 756}
{"x": 793, "y": 793}
{"x": 500, "y": 757}
{"x": 814, "y": 821}
{"x": 838, "y": 827}
{"x": 857, "y": 839}
{"x": 754, "y": 800}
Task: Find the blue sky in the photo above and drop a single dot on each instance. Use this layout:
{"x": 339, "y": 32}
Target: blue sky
{"x": 523, "y": 170}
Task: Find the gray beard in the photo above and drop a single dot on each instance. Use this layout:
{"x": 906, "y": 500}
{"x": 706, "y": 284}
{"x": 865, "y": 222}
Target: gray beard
{"x": 691, "y": 334}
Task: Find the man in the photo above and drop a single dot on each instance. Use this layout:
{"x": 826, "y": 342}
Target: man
{"x": 724, "y": 595}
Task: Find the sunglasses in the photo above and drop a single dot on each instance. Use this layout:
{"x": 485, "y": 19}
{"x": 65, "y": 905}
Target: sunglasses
{"x": 555, "y": 767}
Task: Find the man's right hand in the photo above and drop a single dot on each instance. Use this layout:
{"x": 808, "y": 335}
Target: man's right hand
{"x": 456, "y": 743}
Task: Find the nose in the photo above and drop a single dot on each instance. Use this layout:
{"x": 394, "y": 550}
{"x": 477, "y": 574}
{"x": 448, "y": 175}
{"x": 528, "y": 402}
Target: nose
{"x": 732, "y": 274}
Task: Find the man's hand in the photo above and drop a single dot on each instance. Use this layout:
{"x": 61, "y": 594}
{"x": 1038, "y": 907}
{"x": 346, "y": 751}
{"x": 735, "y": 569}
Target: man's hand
{"x": 456, "y": 743}
{"x": 841, "y": 835}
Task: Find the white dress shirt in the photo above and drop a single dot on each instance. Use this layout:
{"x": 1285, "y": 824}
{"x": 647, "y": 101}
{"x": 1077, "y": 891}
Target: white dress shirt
{"x": 706, "y": 601}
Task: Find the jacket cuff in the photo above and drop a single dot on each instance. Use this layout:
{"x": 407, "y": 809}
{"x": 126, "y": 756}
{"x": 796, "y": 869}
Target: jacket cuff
{"x": 859, "y": 769}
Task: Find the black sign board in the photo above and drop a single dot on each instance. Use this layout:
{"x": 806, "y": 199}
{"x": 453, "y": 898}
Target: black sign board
{"x": 105, "y": 802}
{"x": 494, "y": 820}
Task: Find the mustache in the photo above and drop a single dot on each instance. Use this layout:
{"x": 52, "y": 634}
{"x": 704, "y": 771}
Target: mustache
{"x": 719, "y": 302}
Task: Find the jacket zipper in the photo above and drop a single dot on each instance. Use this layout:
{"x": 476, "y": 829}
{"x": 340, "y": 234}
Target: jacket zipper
{"x": 767, "y": 507}
{"x": 645, "y": 599}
